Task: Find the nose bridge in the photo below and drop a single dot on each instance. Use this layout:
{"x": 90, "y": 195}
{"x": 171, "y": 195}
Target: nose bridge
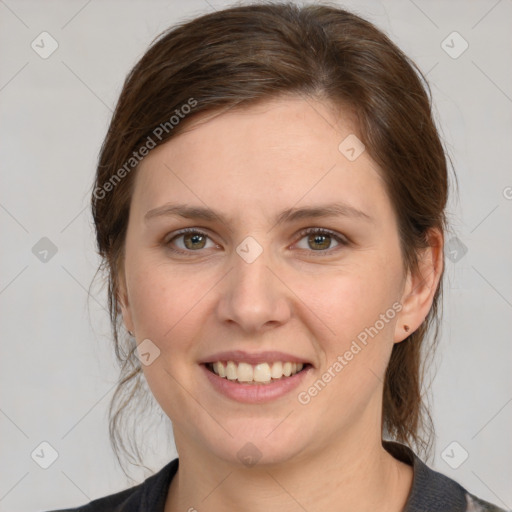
{"x": 253, "y": 295}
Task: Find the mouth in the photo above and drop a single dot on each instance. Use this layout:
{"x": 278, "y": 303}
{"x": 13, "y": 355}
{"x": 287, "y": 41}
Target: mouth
{"x": 256, "y": 374}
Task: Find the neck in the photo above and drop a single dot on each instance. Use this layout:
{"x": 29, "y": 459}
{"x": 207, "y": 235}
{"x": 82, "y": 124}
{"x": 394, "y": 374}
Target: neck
{"x": 355, "y": 476}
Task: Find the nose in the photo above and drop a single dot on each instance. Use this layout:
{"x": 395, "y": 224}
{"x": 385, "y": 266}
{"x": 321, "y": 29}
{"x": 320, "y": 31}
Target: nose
{"x": 254, "y": 295}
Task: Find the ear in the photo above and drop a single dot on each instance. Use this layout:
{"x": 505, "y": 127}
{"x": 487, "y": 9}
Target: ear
{"x": 122, "y": 297}
{"x": 420, "y": 287}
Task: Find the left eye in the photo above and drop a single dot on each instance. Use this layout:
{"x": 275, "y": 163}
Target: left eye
{"x": 321, "y": 238}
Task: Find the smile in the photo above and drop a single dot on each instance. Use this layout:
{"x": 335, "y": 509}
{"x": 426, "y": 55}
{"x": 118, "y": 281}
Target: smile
{"x": 250, "y": 391}
{"x": 260, "y": 373}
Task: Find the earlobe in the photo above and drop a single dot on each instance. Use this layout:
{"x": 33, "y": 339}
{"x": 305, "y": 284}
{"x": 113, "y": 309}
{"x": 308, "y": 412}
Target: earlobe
{"x": 420, "y": 288}
{"x": 402, "y": 331}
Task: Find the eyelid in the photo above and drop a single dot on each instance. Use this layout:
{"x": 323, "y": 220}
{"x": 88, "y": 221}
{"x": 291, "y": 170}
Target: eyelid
{"x": 171, "y": 236}
{"x": 307, "y": 231}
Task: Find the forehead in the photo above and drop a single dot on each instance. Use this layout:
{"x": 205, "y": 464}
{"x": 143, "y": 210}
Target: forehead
{"x": 280, "y": 151}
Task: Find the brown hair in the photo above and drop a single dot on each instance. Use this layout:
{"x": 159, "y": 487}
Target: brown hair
{"x": 241, "y": 55}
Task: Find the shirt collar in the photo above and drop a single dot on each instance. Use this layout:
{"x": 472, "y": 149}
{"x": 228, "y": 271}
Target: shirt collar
{"x": 431, "y": 491}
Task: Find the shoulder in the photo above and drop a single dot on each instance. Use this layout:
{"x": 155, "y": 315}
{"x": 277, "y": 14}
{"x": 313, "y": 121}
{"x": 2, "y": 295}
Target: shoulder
{"x": 475, "y": 504}
{"x": 148, "y": 495}
{"x": 434, "y": 492}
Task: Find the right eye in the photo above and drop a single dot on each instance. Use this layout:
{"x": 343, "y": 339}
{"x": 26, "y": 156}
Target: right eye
{"x": 192, "y": 238}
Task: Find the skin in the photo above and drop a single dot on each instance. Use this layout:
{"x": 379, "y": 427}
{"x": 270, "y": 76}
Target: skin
{"x": 307, "y": 299}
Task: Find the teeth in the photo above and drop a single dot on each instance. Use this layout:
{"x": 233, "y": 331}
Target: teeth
{"x": 231, "y": 372}
{"x": 245, "y": 372}
{"x": 219, "y": 369}
{"x": 277, "y": 370}
{"x": 262, "y": 372}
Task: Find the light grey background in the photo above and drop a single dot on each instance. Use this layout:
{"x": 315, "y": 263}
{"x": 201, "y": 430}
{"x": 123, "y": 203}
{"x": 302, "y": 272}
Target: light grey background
{"x": 57, "y": 366}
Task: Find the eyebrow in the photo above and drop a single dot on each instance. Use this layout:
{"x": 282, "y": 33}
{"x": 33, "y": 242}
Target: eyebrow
{"x": 288, "y": 215}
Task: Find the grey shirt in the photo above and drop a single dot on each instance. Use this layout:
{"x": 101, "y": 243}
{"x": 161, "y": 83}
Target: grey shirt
{"x": 431, "y": 491}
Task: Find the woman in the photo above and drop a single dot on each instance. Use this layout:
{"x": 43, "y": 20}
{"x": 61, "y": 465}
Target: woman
{"x": 270, "y": 206}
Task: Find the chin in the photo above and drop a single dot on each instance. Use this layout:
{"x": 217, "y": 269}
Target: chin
{"x": 259, "y": 446}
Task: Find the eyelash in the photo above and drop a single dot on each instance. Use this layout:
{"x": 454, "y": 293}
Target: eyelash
{"x": 322, "y": 231}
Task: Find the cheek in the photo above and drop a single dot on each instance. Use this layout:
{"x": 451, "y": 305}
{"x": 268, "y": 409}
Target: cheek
{"x": 148, "y": 297}
{"x": 160, "y": 296}
{"x": 165, "y": 309}
{"x": 361, "y": 309}
{"x": 173, "y": 308}
{"x": 350, "y": 302}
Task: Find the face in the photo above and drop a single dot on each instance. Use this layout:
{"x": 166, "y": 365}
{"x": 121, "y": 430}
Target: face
{"x": 250, "y": 279}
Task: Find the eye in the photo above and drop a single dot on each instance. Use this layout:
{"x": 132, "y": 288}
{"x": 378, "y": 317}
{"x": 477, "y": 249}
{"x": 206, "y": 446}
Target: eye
{"x": 193, "y": 239}
{"x": 320, "y": 239}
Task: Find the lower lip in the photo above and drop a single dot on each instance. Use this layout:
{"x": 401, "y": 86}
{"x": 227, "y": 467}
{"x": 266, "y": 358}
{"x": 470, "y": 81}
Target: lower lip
{"x": 255, "y": 393}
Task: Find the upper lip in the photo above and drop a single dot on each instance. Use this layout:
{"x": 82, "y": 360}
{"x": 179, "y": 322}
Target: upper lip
{"x": 241, "y": 356}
